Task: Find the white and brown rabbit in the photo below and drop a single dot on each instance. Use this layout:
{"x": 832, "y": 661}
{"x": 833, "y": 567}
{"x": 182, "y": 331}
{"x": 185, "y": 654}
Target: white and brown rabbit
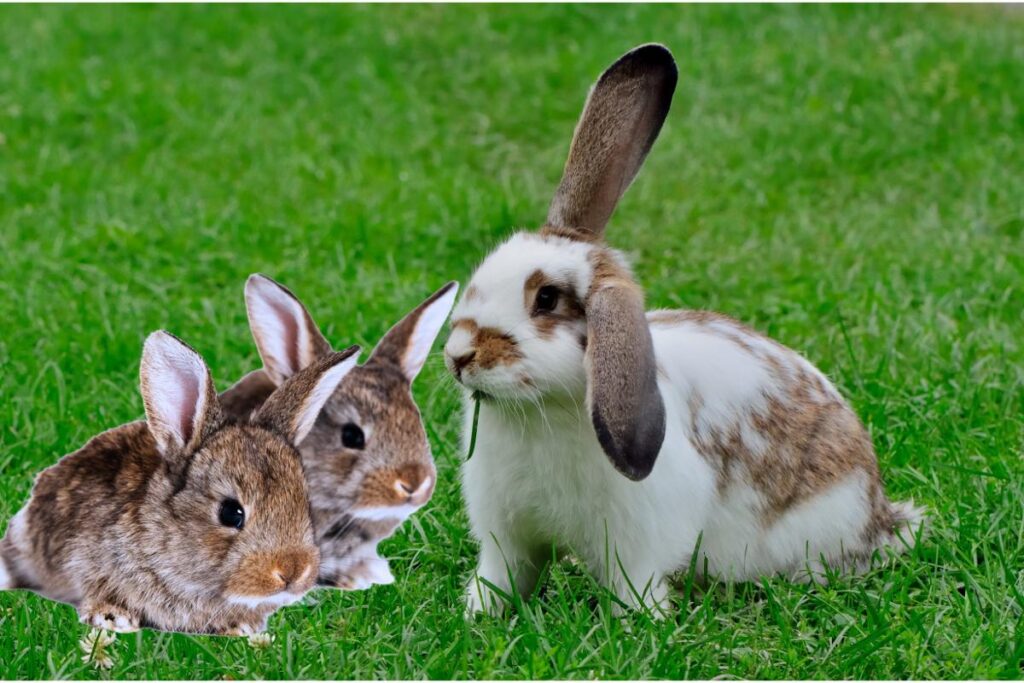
{"x": 367, "y": 459}
{"x": 626, "y": 435}
{"x": 184, "y": 521}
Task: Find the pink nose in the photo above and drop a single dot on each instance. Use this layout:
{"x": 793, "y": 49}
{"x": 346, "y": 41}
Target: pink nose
{"x": 292, "y": 569}
{"x": 414, "y": 481}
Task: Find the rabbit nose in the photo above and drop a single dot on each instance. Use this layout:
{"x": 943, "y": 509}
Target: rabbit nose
{"x": 292, "y": 573}
{"x": 460, "y": 362}
{"x": 413, "y": 481}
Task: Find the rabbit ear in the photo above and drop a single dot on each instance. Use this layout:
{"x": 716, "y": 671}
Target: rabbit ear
{"x": 177, "y": 390}
{"x": 408, "y": 343}
{"x": 622, "y": 389}
{"x": 620, "y": 121}
{"x": 293, "y": 408}
{"x": 285, "y": 334}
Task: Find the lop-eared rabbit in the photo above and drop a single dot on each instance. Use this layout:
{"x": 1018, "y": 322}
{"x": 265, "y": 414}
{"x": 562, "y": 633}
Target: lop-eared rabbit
{"x": 625, "y": 435}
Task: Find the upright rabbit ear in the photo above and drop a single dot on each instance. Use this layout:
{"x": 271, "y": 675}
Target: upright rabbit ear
{"x": 408, "y": 343}
{"x": 292, "y": 409}
{"x": 177, "y": 390}
{"x": 622, "y": 389}
{"x": 285, "y": 334}
{"x": 620, "y": 122}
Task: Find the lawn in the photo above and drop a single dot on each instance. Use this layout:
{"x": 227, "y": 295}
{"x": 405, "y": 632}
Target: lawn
{"x": 849, "y": 180}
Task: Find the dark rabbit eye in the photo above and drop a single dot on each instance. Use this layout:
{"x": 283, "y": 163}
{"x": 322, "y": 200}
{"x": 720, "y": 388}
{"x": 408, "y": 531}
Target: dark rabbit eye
{"x": 352, "y": 436}
{"x": 232, "y": 513}
{"x": 547, "y": 298}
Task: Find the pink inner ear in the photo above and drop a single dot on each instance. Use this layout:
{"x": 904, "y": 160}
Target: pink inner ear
{"x": 289, "y": 336}
{"x": 189, "y": 398}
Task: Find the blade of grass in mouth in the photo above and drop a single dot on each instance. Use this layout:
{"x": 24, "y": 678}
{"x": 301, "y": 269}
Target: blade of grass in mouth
{"x": 476, "y": 420}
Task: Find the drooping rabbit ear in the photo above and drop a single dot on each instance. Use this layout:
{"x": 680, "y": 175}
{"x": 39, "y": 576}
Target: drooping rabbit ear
{"x": 292, "y": 409}
{"x": 408, "y": 343}
{"x": 620, "y": 121}
{"x": 177, "y": 390}
{"x": 285, "y": 334}
{"x": 622, "y": 388}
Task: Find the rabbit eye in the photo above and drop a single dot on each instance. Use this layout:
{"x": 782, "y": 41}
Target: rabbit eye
{"x": 232, "y": 513}
{"x": 547, "y": 299}
{"x": 352, "y": 436}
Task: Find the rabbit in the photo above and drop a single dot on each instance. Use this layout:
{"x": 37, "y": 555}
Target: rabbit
{"x": 628, "y": 436}
{"x": 184, "y": 521}
{"x": 367, "y": 459}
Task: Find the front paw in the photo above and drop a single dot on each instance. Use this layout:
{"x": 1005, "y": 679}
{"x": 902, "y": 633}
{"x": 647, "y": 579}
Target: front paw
{"x": 482, "y": 599}
{"x": 239, "y": 629}
{"x": 109, "y": 618}
{"x": 244, "y": 630}
{"x": 365, "y": 573}
{"x": 377, "y": 571}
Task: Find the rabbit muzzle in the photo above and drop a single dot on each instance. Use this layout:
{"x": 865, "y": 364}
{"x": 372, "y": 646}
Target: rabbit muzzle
{"x": 394, "y": 493}
{"x": 276, "y": 578}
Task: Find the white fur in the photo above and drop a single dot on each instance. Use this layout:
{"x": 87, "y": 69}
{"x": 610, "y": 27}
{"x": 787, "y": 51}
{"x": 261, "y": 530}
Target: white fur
{"x": 175, "y": 385}
{"x": 276, "y": 600}
{"x": 375, "y": 569}
{"x": 5, "y": 577}
{"x": 738, "y": 546}
{"x": 549, "y": 366}
{"x": 428, "y": 326}
{"x": 276, "y": 318}
{"x": 360, "y": 583}
{"x": 378, "y": 571}
{"x": 119, "y": 624}
{"x": 539, "y": 479}
{"x": 397, "y": 512}
{"x": 322, "y": 391}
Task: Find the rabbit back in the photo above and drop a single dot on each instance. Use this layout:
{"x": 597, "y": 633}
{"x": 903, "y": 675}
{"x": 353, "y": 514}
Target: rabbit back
{"x": 74, "y": 504}
{"x": 795, "y": 472}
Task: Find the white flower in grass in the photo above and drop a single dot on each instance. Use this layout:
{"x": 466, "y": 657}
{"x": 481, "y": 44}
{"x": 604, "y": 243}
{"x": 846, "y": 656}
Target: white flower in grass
{"x": 261, "y": 641}
{"x": 95, "y": 646}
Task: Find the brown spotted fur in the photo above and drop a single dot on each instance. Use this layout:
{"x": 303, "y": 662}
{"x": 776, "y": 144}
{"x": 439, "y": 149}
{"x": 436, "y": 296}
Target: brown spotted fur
{"x": 815, "y": 439}
{"x": 492, "y": 346}
{"x": 800, "y": 441}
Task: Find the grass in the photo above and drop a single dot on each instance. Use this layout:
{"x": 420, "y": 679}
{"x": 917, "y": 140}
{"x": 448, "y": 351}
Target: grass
{"x": 847, "y": 179}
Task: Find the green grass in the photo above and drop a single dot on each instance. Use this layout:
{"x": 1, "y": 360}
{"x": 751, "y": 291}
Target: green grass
{"x": 849, "y": 180}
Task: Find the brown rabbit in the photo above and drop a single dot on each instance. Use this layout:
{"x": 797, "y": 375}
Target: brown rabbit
{"x": 183, "y": 522}
{"x": 367, "y": 460}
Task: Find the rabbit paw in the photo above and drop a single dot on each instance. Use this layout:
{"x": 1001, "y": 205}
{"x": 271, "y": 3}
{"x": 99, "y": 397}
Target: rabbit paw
{"x": 376, "y": 570}
{"x": 481, "y": 599}
{"x": 109, "y": 618}
{"x": 365, "y": 573}
{"x": 239, "y": 629}
{"x": 243, "y": 630}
